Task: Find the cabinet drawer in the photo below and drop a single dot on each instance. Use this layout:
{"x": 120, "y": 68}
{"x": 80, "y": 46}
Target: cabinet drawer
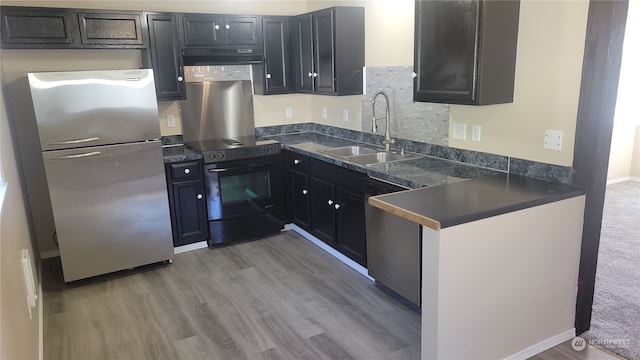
{"x": 186, "y": 171}
{"x": 296, "y": 161}
{"x": 340, "y": 176}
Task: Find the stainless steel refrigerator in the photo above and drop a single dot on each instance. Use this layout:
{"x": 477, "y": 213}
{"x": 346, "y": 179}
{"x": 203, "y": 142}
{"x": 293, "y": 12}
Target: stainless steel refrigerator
{"x": 100, "y": 138}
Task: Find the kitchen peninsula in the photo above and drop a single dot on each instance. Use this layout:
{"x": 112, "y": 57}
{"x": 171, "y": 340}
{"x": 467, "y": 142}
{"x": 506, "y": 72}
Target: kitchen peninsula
{"x": 500, "y": 251}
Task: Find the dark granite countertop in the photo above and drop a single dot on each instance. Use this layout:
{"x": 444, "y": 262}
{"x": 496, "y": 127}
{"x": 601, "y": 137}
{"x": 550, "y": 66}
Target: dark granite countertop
{"x": 417, "y": 173}
{"x": 179, "y": 153}
{"x": 467, "y": 201}
{"x": 444, "y": 193}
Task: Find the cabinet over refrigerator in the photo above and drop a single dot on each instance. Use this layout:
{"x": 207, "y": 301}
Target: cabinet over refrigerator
{"x": 100, "y": 139}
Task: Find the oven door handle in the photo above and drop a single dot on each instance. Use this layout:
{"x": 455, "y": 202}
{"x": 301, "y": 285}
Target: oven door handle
{"x": 244, "y": 166}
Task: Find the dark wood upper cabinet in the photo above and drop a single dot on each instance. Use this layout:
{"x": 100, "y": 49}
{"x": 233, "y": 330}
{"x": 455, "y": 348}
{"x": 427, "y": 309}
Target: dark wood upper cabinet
{"x": 328, "y": 48}
{"x": 28, "y": 27}
{"x": 24, "y": 27}
{"x": 273, "y": 76}
{"x": 202, "y": 30}
{"x": 241, "y": 30}
{"x": 165, "y": 53}
{"x": 98, "y": 28}
{"x": 465, "y": 51}
{"x": 220, "y": 30}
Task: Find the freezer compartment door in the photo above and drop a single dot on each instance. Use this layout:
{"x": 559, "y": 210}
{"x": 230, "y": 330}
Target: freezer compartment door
{"x": 110, "y": 207}
{"x": 90, "y": 108}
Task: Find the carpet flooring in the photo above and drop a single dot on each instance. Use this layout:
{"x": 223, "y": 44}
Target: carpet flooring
{"x": 615, "y": 323}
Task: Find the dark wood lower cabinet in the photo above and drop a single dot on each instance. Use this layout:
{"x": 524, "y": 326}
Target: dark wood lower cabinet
{"x": 299, "y": 192}
{"x": 322, "y": 210}
{"x": 350, "y": 225}
{"x": 187, "y": 203}
{"x": 329, "y": 202}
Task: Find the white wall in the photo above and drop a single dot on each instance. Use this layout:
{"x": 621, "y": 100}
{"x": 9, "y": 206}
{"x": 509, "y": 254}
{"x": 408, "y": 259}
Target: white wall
{"x": 18, "y": 333}
{"x": 621, "y": 157}
{"x": 496, "y": 287}
{"x": 623, "y": 160}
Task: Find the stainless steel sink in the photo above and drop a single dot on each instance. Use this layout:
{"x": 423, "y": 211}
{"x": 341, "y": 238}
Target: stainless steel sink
{"x": 382, "y": 157}
{"x": 349, "y": 151}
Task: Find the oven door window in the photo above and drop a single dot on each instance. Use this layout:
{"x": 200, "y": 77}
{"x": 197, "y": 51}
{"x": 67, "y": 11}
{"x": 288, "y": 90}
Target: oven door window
{"x": 241, "y": 191}
{"x": 244, "y": 187}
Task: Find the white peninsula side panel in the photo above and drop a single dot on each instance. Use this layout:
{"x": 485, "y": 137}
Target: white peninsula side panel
{"x": 504, "y": 286}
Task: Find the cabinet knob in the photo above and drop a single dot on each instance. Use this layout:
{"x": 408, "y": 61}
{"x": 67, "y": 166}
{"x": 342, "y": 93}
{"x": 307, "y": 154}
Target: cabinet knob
{"x": 199, "y": 196}
{"x": 296, "y": 161}
{"x": 304, "y": 192}
{"x": 227, "y": 27}
{"x": 315, "y": 74}
{"x": 180, "y": 78}
{"x": 330, "y": 202}
{"x": 268, "y": 76}
{"x": 413, "y": 75}
{"x": 217, "y": 27}
{"x": 310, "y": 74}
{"x": 186, "y": 171}
{"x": 336, "y": 206}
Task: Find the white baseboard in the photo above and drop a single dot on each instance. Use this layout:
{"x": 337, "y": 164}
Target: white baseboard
{"x": 543, "y": 345}
{"x": 189, "y": 247}
{"x": 40, "y": 317}
{"x": 333, "y": 252}
{"x": 623, "y": 179}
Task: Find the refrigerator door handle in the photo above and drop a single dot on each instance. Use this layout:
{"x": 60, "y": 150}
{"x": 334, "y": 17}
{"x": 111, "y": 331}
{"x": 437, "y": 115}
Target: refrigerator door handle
{"x": 76, "y": 141}
{"x": 76, "y": 156}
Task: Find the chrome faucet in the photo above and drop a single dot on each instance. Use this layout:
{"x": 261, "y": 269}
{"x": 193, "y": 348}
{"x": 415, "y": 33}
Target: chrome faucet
{"x": 387, "y": 134}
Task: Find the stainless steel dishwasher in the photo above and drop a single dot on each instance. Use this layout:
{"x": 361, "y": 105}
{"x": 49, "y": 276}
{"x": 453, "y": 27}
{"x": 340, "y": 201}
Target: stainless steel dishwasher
{"x": 394, "y": 250}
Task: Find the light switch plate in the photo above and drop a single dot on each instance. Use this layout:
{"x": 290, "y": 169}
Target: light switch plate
{"x": 345, "y": 115}
{"x": 553, "y": 140}
{"x": 288, "y": 112}
{"x": 459, "y": 131}
{"x": 171, "y": 121}
{"x": 475, "y": 133}
{"x": 324, "y": 112}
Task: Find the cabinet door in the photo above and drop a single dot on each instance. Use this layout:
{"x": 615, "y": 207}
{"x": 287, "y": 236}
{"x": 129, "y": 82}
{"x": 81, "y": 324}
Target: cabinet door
{"x": 241, "y": 30}
{"x": 322, "y": 210}
{"x": 202, "y": 30}
{"x": 48, "y": 27}
{"x": 350, "y": 225}
{"x": 275, "y": 32}
{"x": 106, "y": 29}
{"x": 190, "y": 212}
{"x": 166, "y": 56}
{"x": 303, "y": 42}
{"x": 446, "y": 51}
{"x": 323, "y": 42}
{"x": 299, "y": 192}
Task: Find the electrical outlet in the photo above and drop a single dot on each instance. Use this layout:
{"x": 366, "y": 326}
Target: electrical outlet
{"x": 324, "y": 112}
{"x": 171, "y": 121}
{"x": 475, "y": 133}
{"x": 288, "y": 113}
{"x": 553, "y": 140}
{"x": 459, "y": 131}
{"x": 345, "y": 115}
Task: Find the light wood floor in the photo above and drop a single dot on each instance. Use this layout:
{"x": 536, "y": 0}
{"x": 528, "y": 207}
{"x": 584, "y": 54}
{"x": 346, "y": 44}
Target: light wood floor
{"x": 277, "y": 298}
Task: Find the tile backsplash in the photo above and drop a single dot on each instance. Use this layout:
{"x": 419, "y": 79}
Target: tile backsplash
{"x": 217, "y": 73}
{"x": 418, "y": 121}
